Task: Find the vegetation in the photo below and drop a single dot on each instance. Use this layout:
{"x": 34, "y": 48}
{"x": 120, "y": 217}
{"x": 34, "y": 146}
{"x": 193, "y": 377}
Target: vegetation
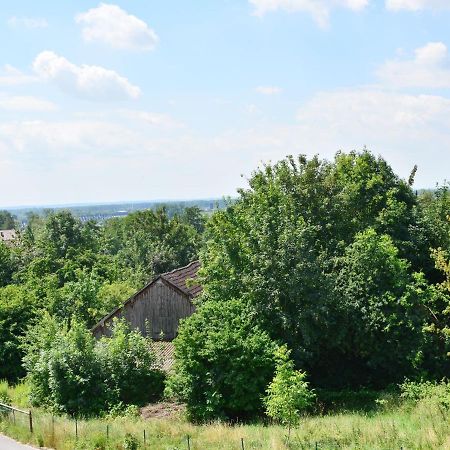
{"x": 413, "y": 423}
{"x": 335, "y": 272}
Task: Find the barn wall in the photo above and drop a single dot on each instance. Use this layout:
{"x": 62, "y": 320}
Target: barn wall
{"x": 160, "y": 305}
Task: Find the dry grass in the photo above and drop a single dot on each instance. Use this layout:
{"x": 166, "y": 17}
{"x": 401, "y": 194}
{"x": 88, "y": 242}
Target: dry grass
{"x": 425, "y": 425}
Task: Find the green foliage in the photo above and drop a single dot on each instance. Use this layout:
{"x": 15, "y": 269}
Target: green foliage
{"x": 82, "y": 270}
{"x": 17, "y": 309}
{"x": 382, "y": 315}
{"x": 128, "y": 367}
{"x": 72, "y": 373}
{"x": 63, "y": 368}
{"x": 224, "y": 362}
{"x": 6, "y": 220}
{"x": 288, "y": 394}
{"x": 431, "y": 391}
{"x": 320, "y": 251}
{"x": 7, "y": 264}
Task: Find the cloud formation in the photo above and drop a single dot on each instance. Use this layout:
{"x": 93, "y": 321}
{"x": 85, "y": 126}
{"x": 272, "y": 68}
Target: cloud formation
{"x": 111, "y": 25}
{"x": 416, "y": 5}
{"x": 430, "y": 68}
{"x": 90, "y": 82}
{"x": 319, "y": 9}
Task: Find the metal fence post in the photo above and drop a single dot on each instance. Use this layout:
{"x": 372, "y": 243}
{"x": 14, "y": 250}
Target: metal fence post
{"x": 188, "y": 442}
{"x": 242, "y": 443}
{"x": 30, "y": 418}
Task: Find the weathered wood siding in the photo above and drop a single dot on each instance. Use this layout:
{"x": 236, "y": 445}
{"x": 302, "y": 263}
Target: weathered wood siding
{"x": 156, "y": 310}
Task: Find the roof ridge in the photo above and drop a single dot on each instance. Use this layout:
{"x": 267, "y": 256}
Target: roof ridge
{"x": 180, "y": 268}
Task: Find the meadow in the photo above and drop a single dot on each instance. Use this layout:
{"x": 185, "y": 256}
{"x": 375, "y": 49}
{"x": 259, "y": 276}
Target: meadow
{"x": 393, "y": 423}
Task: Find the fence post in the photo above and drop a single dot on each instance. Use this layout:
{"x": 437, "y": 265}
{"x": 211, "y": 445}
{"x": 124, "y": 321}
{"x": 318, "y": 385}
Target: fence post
{"x": 30, "y": 419}
{"x": 145, "y": 442}
{"x": 76, "y": 428}
{"x": 242, "y": 443}
{"x": 107, "y": 432}
{"x": 14, "y": 417}
{"x": 188, "y": 442}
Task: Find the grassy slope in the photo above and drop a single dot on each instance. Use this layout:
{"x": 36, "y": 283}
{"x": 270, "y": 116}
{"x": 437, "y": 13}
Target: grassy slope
{"x": 425, "y": 425}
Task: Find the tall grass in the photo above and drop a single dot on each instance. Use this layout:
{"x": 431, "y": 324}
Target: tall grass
{"x": 424, "y": 424}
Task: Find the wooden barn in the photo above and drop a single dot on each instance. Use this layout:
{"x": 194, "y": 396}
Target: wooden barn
{"x": 156, "y": 309}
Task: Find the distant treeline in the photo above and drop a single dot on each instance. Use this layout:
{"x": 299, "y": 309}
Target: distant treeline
{"x": 105, "y": 211}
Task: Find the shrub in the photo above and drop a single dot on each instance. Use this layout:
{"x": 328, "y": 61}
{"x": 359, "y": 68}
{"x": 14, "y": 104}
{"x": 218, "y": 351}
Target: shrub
{"x": 63, "y": 368}
{"x": 224, "y": 361}
{"x": 288, "y": 394}
{"x": 127, "y": 363}
{"x": 427, "y": 390}
{"x": 73, "y": 373}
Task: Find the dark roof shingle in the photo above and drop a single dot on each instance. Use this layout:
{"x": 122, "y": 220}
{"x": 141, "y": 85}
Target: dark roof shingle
{"x": 179, "y": 278}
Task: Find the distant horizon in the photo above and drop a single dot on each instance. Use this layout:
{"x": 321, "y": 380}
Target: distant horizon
{"x": 112, "y": 203}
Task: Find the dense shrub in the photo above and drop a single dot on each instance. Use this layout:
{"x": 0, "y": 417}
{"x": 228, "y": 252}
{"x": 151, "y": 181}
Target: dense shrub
{"x": 127, "y": 365}
{"x": 72, "y": 373}
{"x": 63, "y": 368}
{"x": 224, "y": 362}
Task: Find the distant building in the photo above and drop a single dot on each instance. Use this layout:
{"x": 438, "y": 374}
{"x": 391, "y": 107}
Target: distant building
{"x": 7, "y": 236}
{"x": 156, "y": 310}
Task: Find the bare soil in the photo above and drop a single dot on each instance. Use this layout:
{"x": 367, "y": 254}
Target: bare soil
{"x": 163, "y": 410}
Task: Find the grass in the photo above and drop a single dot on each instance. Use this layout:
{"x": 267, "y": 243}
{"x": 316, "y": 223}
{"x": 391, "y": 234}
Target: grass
{"x": 420, "y": 425}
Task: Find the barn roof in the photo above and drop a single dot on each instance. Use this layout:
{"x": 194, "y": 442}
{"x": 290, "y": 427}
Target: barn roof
{"x": 7, "y": 235}
{"x": 180, "y": 278}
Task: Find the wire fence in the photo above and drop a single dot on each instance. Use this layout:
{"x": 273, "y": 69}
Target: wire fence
{"x": 51, "y": 430}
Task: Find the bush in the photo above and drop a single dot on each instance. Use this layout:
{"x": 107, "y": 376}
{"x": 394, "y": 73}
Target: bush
{"x": 288, "y": 394}
{"x": 63, "y": 368}
{"x": 73, "y": 373}
{"x": 127, "y": 363}
{"x": 224, "y": 362}
{"x": 427, "y": 390}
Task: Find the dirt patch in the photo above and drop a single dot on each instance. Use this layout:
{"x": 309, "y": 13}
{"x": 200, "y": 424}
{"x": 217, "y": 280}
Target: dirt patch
{"x": 163, "y": 410}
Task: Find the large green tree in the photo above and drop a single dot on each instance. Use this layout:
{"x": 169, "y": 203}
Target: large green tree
{"x": 294, "y": 240}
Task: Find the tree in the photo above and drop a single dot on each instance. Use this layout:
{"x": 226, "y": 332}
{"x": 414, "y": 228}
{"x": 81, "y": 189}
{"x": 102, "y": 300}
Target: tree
{"x": 6, "y": 220}
{"x": 282, "y": 245}
{"x": 17, "y": 309}
{"x": 288, "y": 394}
{"x": 7, "y": 264}
{"x": 224, "y": 362}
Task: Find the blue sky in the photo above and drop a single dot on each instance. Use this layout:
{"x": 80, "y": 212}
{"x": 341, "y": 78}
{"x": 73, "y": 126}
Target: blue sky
{"x": 142, "y": 100}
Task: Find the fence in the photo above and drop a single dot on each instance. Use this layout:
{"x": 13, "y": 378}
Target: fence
{"x": 50, "y": 431}
{"x": 11, "y": 410}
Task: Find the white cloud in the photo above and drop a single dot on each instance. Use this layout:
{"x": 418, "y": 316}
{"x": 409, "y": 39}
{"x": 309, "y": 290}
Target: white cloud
{"x": 268, "y": 90}
{"x": 27, "y": 22}
{"x": 10, "y": 76}
{"x": 91, "y": 82}
{"x": 319, "y": 9}
{"x": 416, "y": 5}
{"x": 430, "y": 68}
{"x": 111, "y": 25}
{"x": 26, "y": 103}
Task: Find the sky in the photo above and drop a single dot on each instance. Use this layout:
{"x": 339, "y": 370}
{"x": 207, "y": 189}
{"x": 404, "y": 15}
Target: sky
{"x": 176, "y": 99}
